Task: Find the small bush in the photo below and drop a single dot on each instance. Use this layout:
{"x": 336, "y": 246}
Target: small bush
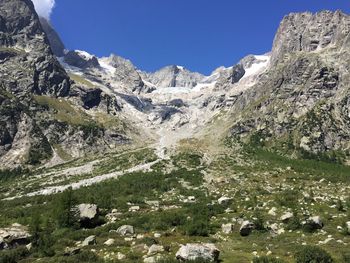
{"x": 259, "y": 221}
{"x": 13, "y": 256}
{"x": 197, "y": 228}
{"x": 311, "y": 254}
{"x": 173, "y": 260}
{"x": 294, "y": 223}
{"x": 346, "y": 257}
{"x": 265, "y": 259}
{"x": 288, "y": 198}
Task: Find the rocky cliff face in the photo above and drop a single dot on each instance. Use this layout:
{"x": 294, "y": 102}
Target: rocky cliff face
{"x": 311, "y": 32}
{"x": 301, "y": 104}
{"x": 56, "y": 43}
{"x": 42, "y": 112}
{"x": 27, "y": 61}
{"x": 174, "y": 76}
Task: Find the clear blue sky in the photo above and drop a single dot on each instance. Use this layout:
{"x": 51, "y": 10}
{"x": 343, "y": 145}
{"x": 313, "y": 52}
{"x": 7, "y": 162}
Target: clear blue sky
{"x": 198, "y": 34}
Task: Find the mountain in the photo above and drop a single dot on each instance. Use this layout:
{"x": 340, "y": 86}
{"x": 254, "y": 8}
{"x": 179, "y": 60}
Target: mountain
{"x": 101, "y": 161}
{"x": 56, "y": 43}
{"x": 42, "y": 112}
{"x": 302, "y": 102}
{"x": 294, "y": 98}
{"x": 174, "y": 76}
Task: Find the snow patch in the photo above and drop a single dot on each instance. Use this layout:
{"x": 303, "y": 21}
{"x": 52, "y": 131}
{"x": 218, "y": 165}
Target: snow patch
{"x": 106, "y": 66}
{"x": 69, "y": 68}
{"x": 257, "y": 66}
{"x": 84, "y": 54}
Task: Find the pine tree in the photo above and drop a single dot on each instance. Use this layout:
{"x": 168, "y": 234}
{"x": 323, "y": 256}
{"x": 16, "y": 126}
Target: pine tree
{"x": 65, "y": 210}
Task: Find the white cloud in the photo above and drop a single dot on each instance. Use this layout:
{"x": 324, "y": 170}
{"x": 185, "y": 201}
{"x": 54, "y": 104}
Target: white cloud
{"x": 44, "y": 7}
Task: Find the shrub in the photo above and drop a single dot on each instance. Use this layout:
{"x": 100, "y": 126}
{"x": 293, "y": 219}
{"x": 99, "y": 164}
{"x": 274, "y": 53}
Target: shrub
{"x": 165, "y": 220}
{"x": 65, "y": 214}
{"x": 346, "y": 257}
{"x": 197, "y": 227}
{"x": 265, "y": 259}
{"x": 288, "y": 198}
{"x": 294, "y": 223}
{"x": 259, "y": 221}
{"x": 312, "y": 254}
{"x": 41, "y": 238}
{"x": 14, "y": 255}
{"x": 173, "y": 260}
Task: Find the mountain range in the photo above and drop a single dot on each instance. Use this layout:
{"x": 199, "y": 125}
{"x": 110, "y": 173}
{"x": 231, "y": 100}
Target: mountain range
{"x": 295, "y": 97}
{"x": 271, "y": 132}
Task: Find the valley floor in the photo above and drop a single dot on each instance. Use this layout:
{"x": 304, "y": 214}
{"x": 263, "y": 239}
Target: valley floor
{"x": 178, "y": 200}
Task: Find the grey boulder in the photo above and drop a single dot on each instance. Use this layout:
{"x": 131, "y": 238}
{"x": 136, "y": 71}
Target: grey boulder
{"x": 191, "y": 252}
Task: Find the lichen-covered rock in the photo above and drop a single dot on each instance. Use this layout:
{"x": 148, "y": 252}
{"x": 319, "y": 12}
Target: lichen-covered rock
{"x": 190, "y": 252}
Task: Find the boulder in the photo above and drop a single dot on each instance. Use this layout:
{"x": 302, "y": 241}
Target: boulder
{"x": 286, "y": 217}
{"x": 120, "y": 256}
{"x": 109, "y": 242}
{"x": 113, "y": 216}
{"x": 224, "y": 200}
{"x": 192, "y": 252}
{"x": 70, "y": 251}
{"x": 126, "y": 230}
{"x": 88, "y": 214}
{"x": 348, "y": 226}
{"x": 272, "y": 211}
{"x": 157, "y": 235}
{"x": 314, "y": 223}
{"x": 153, "y": 259}
{"x": 14, "y": 236}
{"x": 91, "y": 240}
{"x": 246, "y": 228}
{"x": 227, "y": 228}
{"x": 155, "y": 249}
{"x": 275, "y": 229}
{"x": 134, "y": 208}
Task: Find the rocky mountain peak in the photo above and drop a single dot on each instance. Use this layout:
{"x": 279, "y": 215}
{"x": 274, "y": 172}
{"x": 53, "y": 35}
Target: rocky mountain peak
{"x": 311, "y": 32}
{"x": 56, "y": 43}
{"x": 26, "y": 54}
{"x": 117, "y": 61}
{"x": 81, "y": 59}
{"x": 175, "y": 76}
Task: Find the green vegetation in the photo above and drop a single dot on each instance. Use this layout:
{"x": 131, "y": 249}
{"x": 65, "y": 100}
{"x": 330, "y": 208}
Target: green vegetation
{"x": 64, "y": 111}
{"x": 310, "y": 254}
{"x": 256, "y": 181}
{"x": 13, "y": 256}
{"x": 8, "y": 175}
{"x": 318, "y": 169}
{"x": 80, "y": 80}
{"x": 265, "y": 259}
{"x": 65, "y": 213}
